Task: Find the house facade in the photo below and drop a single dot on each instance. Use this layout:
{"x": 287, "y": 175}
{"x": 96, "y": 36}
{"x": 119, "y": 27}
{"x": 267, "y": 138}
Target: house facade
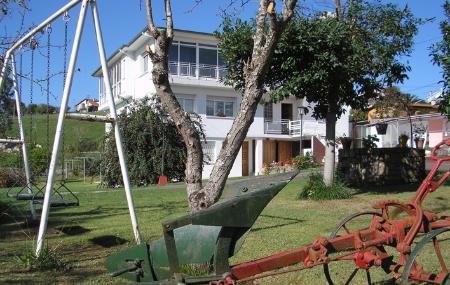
{"x": 87, "y": 105}
{"x": 426, "y": 121}
{"x": 195, "y": 70}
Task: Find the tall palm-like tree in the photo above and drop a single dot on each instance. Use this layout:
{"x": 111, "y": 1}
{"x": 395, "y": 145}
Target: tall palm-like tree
{"x": 406, "y": 102}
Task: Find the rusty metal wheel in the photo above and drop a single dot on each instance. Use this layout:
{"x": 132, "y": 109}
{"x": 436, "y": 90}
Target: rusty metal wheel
{"x": 345, "y": 272}
{"x": 429, "y": 261}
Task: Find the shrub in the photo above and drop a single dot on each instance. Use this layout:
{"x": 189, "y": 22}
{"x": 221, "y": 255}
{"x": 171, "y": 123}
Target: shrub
{"x": 9, "y": 177}
{"x": 302, "y": 162}
{"x": 152, "y": 144}
{"x": 316, "y": 189}
{"x": 38, "y": 160}
{"x": 49, "y": 259}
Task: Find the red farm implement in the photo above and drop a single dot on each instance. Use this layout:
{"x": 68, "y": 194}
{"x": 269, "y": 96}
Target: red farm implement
{"x": 393, "y": 239}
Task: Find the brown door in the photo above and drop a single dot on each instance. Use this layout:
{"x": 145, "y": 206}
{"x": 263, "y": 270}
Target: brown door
{"x": 284, "y": 151}
{"x": 286, "y": 111}
{"x": 245, "y": 159}
{"x": 286, "y": 114}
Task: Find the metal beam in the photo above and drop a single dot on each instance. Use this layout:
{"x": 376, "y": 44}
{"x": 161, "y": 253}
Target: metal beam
{"x": 11, "y": 141}
{"x": 31, "y": 34}
{"x": 90, "y": 118}
{"x": 26, "y": 162}
{"x": 113, "y": 112}
{"x": 59, "y": 127}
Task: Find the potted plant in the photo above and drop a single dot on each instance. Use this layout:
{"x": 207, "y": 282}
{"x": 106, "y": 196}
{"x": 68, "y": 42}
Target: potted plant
{"x": 419, "y": 135}
{"x": 403, "y": 140}
{"x": 346, "y": 142}
{"x": 381, "y": 128}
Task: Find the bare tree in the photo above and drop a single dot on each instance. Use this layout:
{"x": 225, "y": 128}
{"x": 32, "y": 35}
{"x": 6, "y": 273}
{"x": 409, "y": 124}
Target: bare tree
{"x": 269, "y": 27}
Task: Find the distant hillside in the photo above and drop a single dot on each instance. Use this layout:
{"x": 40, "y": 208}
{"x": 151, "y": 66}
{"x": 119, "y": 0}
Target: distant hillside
{"x": 78, "y": 135}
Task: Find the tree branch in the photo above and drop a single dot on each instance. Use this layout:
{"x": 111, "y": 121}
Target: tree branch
{"x": 150, "y": 23}
{"x": 169, "y": 20}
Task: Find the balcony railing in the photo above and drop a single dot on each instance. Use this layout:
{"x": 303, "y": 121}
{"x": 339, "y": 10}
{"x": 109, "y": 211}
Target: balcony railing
{"x": 293, "y": 128}
{"x": 197, "y": 70}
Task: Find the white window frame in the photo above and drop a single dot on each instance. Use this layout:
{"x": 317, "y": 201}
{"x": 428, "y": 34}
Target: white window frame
{"x": 145, "y": 63}
{"x": 181, "y": 99}
{"x": 209, "y": 152}
{"x": 223, "y": 100}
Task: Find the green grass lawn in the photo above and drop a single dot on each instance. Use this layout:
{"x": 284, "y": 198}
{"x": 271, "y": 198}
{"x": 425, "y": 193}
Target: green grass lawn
{"x": 74, "y": 130}
{"x": 285, "y": 223}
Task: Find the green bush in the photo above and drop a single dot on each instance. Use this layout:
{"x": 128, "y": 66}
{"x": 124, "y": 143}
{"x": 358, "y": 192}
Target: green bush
{"x": 38, "y": 160}
{"x": 49, "y": 259}
{"x": 152, "y": 145}
{"x": 9, "y": 177}
{"x": 316, "y": 189}
{"x": 302, "y": 162}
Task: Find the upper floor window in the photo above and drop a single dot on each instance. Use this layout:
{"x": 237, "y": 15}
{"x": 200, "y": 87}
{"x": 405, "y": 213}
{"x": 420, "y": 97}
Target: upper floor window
{"x": 220, "y": 107}
{"x": 187, "y": 104}
{"x": 116, "y": 75}
{"x": 145, "y": 61}
{"x": 268, "y": 112}
{"x": 195, "y": 60}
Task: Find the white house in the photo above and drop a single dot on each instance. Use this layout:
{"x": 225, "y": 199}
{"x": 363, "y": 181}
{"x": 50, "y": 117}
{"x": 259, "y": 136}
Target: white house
{"x": 87, "y": 105}
{"x": 195, "y": 72}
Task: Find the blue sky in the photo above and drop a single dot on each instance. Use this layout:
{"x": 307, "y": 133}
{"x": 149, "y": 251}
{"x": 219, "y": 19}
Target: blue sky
{"x": 122, "y": 20}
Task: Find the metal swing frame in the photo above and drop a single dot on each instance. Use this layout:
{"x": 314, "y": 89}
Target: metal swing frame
{"x": 9, "y": 57}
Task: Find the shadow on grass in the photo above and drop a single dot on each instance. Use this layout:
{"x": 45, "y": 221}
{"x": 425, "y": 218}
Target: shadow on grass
{"x": 289, "y": 221}
{"x": 108, "y": 241}
{"x": 73, "y": 230}
{"x": 387, "y": 189}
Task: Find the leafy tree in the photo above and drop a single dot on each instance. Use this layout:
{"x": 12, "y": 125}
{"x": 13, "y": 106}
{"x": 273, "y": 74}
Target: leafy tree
{"x": 440, "y": 53}
{"x": 269, "y": 25}
{"x": 152, "y": 144}
{"x": 333, "y": 61}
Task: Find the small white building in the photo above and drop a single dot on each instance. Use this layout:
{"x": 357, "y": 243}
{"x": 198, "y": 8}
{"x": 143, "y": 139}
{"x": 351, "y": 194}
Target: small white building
{"x": 87, "y": 105}
{"x": 195, "y": 72}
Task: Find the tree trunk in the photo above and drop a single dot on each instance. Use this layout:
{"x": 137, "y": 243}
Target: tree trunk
{"x": 182, "y": 120}
{"x": 330, "y": 143}
{"x": 230, "y": 148}
{"x": 410, "y": 130}
{"x": 264, "y": 45}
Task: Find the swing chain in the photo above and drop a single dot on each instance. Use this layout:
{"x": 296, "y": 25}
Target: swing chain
{"x": 34, "y": 43}
{"x": 66, "y": 16}
{"x": 49, "y": 28}
{"x": 49, "y": 31}
{"x": 66, "y": 19}
{"x": 31, "y": 86}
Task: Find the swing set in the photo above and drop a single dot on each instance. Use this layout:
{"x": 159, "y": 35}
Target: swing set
{"x": 51, "y": 196}
{"x": 36, "y": 194}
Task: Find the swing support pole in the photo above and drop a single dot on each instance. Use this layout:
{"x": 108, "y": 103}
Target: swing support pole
{"x": 113, "y": 112}
{"x": 59, "y": 127}
{"x": 22, "y": 136}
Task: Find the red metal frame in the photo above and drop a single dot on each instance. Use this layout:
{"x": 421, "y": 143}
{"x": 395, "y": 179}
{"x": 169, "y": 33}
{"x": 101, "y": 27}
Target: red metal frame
{"x": 366, "y": 246}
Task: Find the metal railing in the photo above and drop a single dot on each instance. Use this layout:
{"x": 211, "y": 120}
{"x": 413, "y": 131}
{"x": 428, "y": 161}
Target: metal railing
{"x": 293, "y": 128}
{"x": 197, "y": 70}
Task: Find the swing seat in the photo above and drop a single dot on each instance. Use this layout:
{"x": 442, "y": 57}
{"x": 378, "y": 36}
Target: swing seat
{"x": 28, "y": 197}
{"x": 59, "y": 203}
{"x": 210, "y": 237}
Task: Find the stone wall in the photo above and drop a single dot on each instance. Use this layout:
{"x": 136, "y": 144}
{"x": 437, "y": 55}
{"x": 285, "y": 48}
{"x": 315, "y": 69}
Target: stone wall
{"x": 381, "y": 166}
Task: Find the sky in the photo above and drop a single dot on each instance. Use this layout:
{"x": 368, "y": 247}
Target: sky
{"x": 122, "y": 20}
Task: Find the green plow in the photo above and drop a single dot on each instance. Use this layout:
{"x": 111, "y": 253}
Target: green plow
{"x": 203, "y": 240}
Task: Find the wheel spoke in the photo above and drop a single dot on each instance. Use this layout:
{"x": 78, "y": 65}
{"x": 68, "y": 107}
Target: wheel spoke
{"x": 351, "y": 276}
{"x": 439, "y": 255}
{"x": 345, "y": 228}
{"x": 369, "y": 280}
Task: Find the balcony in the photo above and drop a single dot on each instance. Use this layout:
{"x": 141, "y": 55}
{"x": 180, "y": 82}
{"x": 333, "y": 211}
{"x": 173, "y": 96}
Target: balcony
{"x": 199, "y": 71}
{"x": 293, "y": 128}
